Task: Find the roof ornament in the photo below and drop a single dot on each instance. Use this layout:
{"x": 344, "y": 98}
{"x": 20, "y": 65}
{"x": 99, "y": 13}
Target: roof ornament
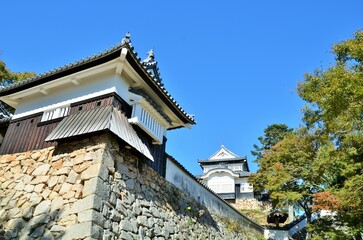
{"x": 150, "y": 59}
{"x": 151, "y": 65}
{"x": 126, "y": 39}
{"x": 151, "y": 54}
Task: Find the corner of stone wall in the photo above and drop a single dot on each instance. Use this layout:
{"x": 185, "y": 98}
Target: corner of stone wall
{"x": 93, "y": 189}
{"x": 51, "y": 193}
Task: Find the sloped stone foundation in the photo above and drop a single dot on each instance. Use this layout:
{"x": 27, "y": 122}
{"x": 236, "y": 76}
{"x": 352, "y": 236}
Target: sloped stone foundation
{"x": 92, "y": 189}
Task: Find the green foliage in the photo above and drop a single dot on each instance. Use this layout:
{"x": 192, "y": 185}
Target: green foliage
{"x": 256, "y": 215}
{"x": 324, "y": 157}
{"x": 322, "y": 229}
{"x": 272, "y": 135}
{"x": 293, "y": 170}
{"x": 335, "y": 98}
{"x": 6, "y": 74}
{"x": 232, "y": 225}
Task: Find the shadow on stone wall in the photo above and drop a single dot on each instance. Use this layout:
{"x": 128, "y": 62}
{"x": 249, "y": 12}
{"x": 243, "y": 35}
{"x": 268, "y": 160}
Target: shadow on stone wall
{"x": 29, "y": 227}
{"x": 145, "y": 194}
{"x": 103, "y": 191}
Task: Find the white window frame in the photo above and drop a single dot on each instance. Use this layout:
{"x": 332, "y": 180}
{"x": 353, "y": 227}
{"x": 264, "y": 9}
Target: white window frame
{"x": 146, "y": 117}
{"x": 55, "y": 113}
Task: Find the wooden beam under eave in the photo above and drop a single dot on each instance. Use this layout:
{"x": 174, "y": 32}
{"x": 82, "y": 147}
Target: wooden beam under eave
{"x": 12, "y": 102}
{"x": 44, "y": 91}
{"x": 75, "y": 82}
{"x": 120, "y": 61}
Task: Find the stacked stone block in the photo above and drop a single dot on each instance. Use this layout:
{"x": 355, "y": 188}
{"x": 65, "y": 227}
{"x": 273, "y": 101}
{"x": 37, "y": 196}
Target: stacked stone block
{"x": 252, "y": 204}
{"x": 92, "y": 189}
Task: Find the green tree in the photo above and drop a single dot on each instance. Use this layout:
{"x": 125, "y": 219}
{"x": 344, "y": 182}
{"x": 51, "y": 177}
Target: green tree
{"x": 7, "y": 75}
{"x": 320, "y": 166}
{"x": 335, "y": 97}
{"x": 272, "y": 135}
{"x": 294, "y": 169}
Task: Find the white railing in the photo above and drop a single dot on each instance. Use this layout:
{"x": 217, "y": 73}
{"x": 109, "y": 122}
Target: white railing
{"x": 148, "y": 123}
{"x": 55, "y": 113}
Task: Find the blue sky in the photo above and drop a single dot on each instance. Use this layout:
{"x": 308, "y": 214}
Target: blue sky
{"x": 234, "y": 64}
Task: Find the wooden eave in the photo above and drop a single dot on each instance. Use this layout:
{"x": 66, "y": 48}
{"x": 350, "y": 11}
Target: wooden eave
{"x": 97, "y": 60}
{"x": 59, "y": 73}
{"x": 156, "y": 87}
{"x": 225, "y": 160}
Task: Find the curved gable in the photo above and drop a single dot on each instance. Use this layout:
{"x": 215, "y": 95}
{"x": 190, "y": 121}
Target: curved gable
{"x": 220, "y": 170}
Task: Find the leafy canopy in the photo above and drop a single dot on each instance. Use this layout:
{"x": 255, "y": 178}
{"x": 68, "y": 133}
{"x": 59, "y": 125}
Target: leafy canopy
{"x": 335, "y": 98}
{"x": 294, "y": 169}
{"x": 272, "y": 135}
{"x": 7, "y": 75}
{"x": 320, "y": 165}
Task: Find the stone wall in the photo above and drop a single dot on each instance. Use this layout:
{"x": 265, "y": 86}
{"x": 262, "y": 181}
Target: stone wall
{"x": 41, "y": 191}
{"x": 184, "y": 180}
{"x": 252, "y": 204}
{"x": 92, "y": 189}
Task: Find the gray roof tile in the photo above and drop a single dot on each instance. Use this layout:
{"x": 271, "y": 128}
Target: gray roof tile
{"x": 126, "y": 43}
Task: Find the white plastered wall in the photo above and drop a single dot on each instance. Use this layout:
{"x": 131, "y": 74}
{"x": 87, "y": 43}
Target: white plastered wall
{"x": 221, "y": 182}
{"x": 245, "y": 186}
{"x": 90, "y": 87}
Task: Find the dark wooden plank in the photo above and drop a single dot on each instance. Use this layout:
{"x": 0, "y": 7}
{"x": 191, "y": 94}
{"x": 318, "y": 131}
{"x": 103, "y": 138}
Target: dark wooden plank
{"x": 5, "y": 147}
{"x": 39, "y": 137}
{"x": 29, "y": 133}
{"x": 19, "y": 137}
{"x": 24, "y": 137}
{"x": 35, "y": 134}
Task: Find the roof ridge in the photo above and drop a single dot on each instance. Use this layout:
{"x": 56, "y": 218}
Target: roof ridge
{"x": 125, "y": 42}
{"x": 222, "y": 147}
{"x": 65, "y": 67}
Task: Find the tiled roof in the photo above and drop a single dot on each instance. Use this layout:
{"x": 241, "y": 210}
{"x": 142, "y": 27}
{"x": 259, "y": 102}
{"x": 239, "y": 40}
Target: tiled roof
{"x": 152, "y": 65}
{"x": 243, "y": 173}
{"x": 225, "y": 149}
{"x": 126, "y": 43}
{"x": 222, "y": 160}
{"x": 240, "y": 173}
{"x": 61, "y": 69}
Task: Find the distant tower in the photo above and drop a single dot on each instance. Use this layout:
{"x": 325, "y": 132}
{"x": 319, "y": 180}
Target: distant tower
{"x": 227, "y": 175}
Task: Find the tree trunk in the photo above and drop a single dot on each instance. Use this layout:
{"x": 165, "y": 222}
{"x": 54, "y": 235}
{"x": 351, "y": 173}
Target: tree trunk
{"x": 308, "y": 221}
